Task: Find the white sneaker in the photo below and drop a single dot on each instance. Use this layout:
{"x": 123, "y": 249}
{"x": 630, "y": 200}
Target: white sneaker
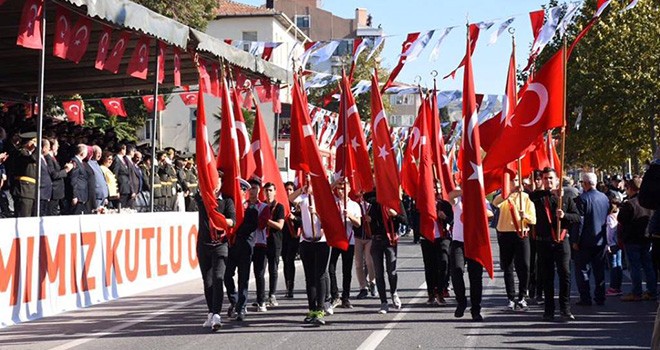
{"x": 511, "y": 306}
{"x": 272, "y": 301}
{"x": 327, "y": 307}
{"x": 208, "y": 321}
{"x": 396, "y": 302}
{"x": 216, "y": 322}
{"x": 261, "y": 308}
{"x": 384, "y": 308}
{"x": 522, "y": 305}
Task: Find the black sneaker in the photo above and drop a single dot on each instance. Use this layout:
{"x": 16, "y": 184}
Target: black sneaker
{"x": 476, "y": 316}
{"x": 363, "y": 294}
{"x": 346, "y": 304}
{"x": 372, "y": 289}
{"x": 460, "y": 311}
{"x": 231, "y": 311}
{"x": 240, "y": 316}
{"x": 318, "y": 321}
{"x": 289, "y": 294}
{"x": 310, "y": 315}
{"x": 567, "y": 316}
{"x": 548, "y": 317}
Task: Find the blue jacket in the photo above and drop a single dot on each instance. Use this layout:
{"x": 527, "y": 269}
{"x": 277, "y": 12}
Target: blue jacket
{"x": 594, "y": 208}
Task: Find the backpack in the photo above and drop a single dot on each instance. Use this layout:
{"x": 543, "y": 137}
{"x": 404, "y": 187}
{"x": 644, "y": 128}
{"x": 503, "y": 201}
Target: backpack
{"x": 649, "y": 193}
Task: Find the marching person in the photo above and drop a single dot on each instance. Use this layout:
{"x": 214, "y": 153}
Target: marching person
{"x": 240, "y": 255}
{"x": 290, "y": 242}
{"x": 513, "y": 239}
{"x": 364, "y": 264}
{"x": 436, "y": 253}
{"x": 552, "y": 247}
{"x": 384, "y": 227}
{"x": 352, "y": 217}
{"x": 212, "y": 251}
{"x": 314, "y": 253}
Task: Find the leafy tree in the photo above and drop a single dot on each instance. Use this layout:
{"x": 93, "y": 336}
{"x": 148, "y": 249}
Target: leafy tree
{"x": 248, "y": 116}
{"x": 195, "y": 13}
{"x": 614, "y": 75}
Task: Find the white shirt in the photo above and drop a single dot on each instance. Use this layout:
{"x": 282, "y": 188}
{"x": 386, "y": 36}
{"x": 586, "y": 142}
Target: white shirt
{"x": 303, "y": 202}
{"x": 260, "y": 235}
{"x": 353, "y": 209}
{"x": 457, "y": 229}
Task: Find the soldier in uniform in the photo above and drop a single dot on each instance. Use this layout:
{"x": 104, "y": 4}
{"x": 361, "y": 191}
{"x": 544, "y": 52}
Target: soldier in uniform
{"x": 192, "y": 181}
{"x": 25, "y": 181}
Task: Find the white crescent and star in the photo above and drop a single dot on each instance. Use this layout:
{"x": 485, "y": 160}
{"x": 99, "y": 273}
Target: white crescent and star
{"x": 415, "y": 135}
{"x": 474, "y": 120}
{"x": 74, "y": 108}
{"x": 78, "y": 40}
{"x": 65, "y": 22}
{"x": 240, "y": 127}
{"x": 35, "y": 14}
{"x": 379, "y": 117}
{"x": 542, "y": 93}
{"x": 120, "y": 45}
{"x": 104, "y": 41}
{"x": 142, "y": 56}
{"x": 477, "y": 173}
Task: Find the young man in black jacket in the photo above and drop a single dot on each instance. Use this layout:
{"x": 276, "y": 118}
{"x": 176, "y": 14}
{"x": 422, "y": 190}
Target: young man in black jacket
{"x": 553, "y": 248}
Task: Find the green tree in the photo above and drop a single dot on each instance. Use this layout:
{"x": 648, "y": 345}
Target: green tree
{"x": 195, "y": 13}
{"x": 248, "y": 116}
{"x": 614, "y": 76}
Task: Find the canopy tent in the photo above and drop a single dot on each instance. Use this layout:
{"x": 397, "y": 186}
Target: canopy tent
{"x": 19, "y": 67}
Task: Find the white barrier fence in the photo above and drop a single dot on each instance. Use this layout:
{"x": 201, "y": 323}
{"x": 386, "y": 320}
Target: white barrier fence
{"x": 55, "y": 264}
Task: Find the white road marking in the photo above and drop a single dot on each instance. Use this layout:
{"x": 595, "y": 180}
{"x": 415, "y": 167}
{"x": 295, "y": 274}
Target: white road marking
{"x": 471, "y": 341}
{"x": 377, "y": 337}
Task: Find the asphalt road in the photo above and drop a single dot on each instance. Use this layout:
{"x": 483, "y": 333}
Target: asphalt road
{"x": 171, "y": 318}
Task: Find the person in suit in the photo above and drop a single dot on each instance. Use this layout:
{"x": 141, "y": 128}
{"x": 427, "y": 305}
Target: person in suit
{"x": 57, "y": 176}
{"x": 91, "y": 182}
{"x": 45, "y": 182}
{"x": 101, "y": 186}
{"x": 77, "y": 190}
{"x": 122, "y": 172}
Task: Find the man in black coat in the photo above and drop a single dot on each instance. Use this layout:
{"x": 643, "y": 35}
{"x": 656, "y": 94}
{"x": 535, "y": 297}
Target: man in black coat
{"x": 123, "y": 172}
{"x": 45, "y": 182}
{"x": 57, "y": 176}
{"x": 25, "y": 172}
{"x": 77, "y": 185}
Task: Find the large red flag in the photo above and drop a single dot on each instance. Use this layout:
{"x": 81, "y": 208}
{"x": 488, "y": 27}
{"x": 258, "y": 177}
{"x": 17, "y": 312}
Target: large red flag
{"x": 473, "y": 33}
{"x": 306, "y": 157}
{"x": 104, "y": 47}
{"x": 148, "y": 101}
{"x": 425, "y": 196}
{"x": 206, "y": 168}
{"x": 114, "y": 106}
{"x": 139, "y": 63}
{"x": 114, "y": 57}
{"x": 29, "y": 29}
{"x": 438, "y": 152}
{"x": 74, "y": 111}
{"x": 214, "y": 79}
{"x": 475, "y": 220}
{"x": 62, "y": 36}
{"x": 245, "y": 157}
{"x": 79, "y": 39}
{"x": 385, "y": 169}
{"x": 539, "y": 109}
{"x": 162, "y": 52}
{"x": 228, "y": 155}
{"x": 491, "y": 129}
{"x": 410, "y": 39}
{"x": 266, "y": 165}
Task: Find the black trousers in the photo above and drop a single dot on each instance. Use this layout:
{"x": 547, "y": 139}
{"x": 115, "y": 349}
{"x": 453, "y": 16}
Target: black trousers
{"x": 346, "y": 269}
{"x": 212, "y": 264}
{"x": 382, "y": 250}
{"x": 436, "y": 264}
{"x": 289, "y": 251}
{"x": 260, "y": 259}
{"x": 24, "y": 207}
{"x": 589, "y": 259}
{"x": 555, "y": 255}
{"x": 535, "y": 273}
{"x": 315, "y": 258}
{"x": 127, "y": 201}
{"x": 44, "y": 207}
{"x": 273, "y": 254}
{"x": 514, "y": 250}
{"x": 240, "y": 258}
{"x": 475, "y": 275}
{"x": 79, "y": 208}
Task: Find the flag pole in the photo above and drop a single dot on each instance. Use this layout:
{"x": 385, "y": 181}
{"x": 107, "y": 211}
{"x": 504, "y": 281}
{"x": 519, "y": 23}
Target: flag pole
{"x": 342, "y": 106}
{"x": 40, "y": 120}
{"x": 153, "y": 129}
{"x": 563, "y": 141}
{"x": 512, "y": 31}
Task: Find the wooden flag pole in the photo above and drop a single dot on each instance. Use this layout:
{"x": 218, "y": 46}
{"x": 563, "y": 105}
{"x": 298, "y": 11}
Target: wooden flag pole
{"x": 563, "y": 144}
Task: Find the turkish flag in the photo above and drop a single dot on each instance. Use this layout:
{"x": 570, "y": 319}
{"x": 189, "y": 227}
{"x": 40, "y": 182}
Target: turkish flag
{"x": 473, "y": 34}
{"x": 206, "y": 168}
{"x": 306, "y": 157}
{"x": 74, "y": 111}
{"x": 385, "y": 168}
{"x": 539, "y": 109}
{"x": 115, "y": 55}
{"x": 402, "y": 59}
{"x": 189, "y": 98}
{"x": 177, "y": 67}
{"x": 114, "y": 106}
{"x": 29, "y": 29}
{"x": 277, "y": 105}
{"x": 149, "y": 103}
{"x": 162, "y": 52}
{"x": 228, "y": 154}
{"x": 138, "y": 66}
{"x": 214, "y": 79}
{"x": 79, "y": 39}
{"x": 266, "y": 165}
{"x": 537, "y": 18}
{"x": 410, "y": 164}
{"x": 104, "y": 47}
{"x": 62, "y": 35}
{"x": 438, "y": 152}
{"x": 555, "y": 162}
{"x": 245, "y": 157}
{"x": 425, "y": 196}
{"x": 475, "y": 220}
{"x": 204, "y": 77}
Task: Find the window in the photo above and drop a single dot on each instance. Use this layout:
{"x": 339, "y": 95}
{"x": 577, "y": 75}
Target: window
{"x": 345, "y": 48}
{"x": 302, "y": 21}
{"x": 248, "y": 38}
{"x": 193, "y": 123}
